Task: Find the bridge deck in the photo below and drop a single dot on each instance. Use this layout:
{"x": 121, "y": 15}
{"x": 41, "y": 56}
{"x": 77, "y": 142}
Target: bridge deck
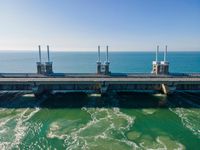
{"x": 117, "y": 78}
{"x": 102, "y": 79}
{"x": 98, "y": 83}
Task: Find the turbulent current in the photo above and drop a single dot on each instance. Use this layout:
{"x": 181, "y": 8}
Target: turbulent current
{"x": 80, "y": 121}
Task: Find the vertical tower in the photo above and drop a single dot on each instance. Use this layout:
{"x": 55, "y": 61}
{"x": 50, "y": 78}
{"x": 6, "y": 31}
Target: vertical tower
{"x": 156, "y": 63}
{"x": 99, "y": 62}
{"x": 48, "y": 64}
{"x": 165, "y": 63}
{"x": 165, "y": 54}
{"x": 40, "y": 65}
{"x": 40, "y": 58}
{"x": 103, "y": 68}
{"x": 107, "y": 63}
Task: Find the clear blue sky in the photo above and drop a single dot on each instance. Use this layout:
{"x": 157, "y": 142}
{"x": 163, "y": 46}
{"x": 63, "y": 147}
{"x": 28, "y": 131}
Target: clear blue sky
{"x": 84, "y": 24}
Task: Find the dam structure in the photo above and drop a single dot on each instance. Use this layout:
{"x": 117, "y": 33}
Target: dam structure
{"x": 45, "y": 80}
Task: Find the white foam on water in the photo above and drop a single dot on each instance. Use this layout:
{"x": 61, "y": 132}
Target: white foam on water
{"x": 2, "y": 109}
{"x": 180, "y": 147}
{"x": 190, "y": 119}
{"x": 28, "y": 95}
{"x": 76, "y": 139}
{"x": 130, "y": 143}
{"x": 2, "y": 131}
{"x": 36, "y": 127}
{"x": 159, "y": 95}
{"x": 53, "y": 128}
{"x": 22, "y": 126}
{"x": 143, "y": 146}
{"x": 161, "y": 143}
{"x": 4, "y": 145}
{"x": 19, "y": 126}
{"x": 5, "y": 120}
{"x": 40, "y": 144}
{"x": 149, "y": 111}
{"x": 18, "y": 133}
{"x": 95, "y": 95}
{"x": 168, "y": 143}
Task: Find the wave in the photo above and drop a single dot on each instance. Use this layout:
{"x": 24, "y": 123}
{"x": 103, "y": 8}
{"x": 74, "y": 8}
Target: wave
{"x": 160, "y": 143}
{"x": 190, "y": 119}
{"x": 16, "y": 124}
{"x": 189, "y": 116}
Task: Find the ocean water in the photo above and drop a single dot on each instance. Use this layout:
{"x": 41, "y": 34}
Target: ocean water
{"x": 118, "y": 121}
{"x": 84, "y": 62}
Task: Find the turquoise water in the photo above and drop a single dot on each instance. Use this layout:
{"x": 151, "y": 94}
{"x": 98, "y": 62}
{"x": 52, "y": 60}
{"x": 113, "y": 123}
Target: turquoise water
{"x": 86, "y": 61}
{"x": 116, "y": 121}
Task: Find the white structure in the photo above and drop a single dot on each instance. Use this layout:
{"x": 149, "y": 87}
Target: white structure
{"x": 156, "y": 63}
{"x": 99, "y": 62}
{"x": 165, "y": 64}
{"x": 103, "y": 68}
{"x": 44, "y": 68}
{"x": 160, "y": 67}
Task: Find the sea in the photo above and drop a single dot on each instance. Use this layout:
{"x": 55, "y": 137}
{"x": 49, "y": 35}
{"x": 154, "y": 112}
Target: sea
{"x": 117, "y": 121}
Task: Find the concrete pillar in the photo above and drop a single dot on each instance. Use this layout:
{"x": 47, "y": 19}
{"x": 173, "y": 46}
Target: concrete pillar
{"x": 156, "y": 63}
{"x": 48, "y": 68}
{"x": 104, "y": 88}
{"x": 98, "y": 67}
{"x": 107, "y": 63}
{"x": 107, "y": 70}
{"x": 40, "y": 68}
{"x": 165, "y": 64}
{"x": 48, "y": 64}
{"x": 40, "y": 65}
{"x": 99, "y": 62}
{"x": 156, "y": 67}
{"x": 164, "y": 67}
{"x": 167, "y": 89}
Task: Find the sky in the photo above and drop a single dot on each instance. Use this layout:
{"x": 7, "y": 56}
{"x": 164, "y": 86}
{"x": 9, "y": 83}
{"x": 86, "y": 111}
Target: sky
{"x": 82, "y": 25}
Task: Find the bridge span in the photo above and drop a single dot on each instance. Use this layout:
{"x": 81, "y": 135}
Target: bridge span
{"x": 99, "y": 83}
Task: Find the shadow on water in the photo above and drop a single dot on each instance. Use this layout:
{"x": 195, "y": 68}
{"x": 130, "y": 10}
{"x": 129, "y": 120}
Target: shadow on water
{"x": 121, "y": 100}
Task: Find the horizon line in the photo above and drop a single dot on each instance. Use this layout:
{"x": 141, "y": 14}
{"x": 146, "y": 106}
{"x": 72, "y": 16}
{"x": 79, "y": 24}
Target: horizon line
{"x": 96, "y": 50}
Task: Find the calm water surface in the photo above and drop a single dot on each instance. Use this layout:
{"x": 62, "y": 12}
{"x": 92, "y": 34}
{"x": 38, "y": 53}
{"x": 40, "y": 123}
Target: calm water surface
{"x": 118, "y": 121}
